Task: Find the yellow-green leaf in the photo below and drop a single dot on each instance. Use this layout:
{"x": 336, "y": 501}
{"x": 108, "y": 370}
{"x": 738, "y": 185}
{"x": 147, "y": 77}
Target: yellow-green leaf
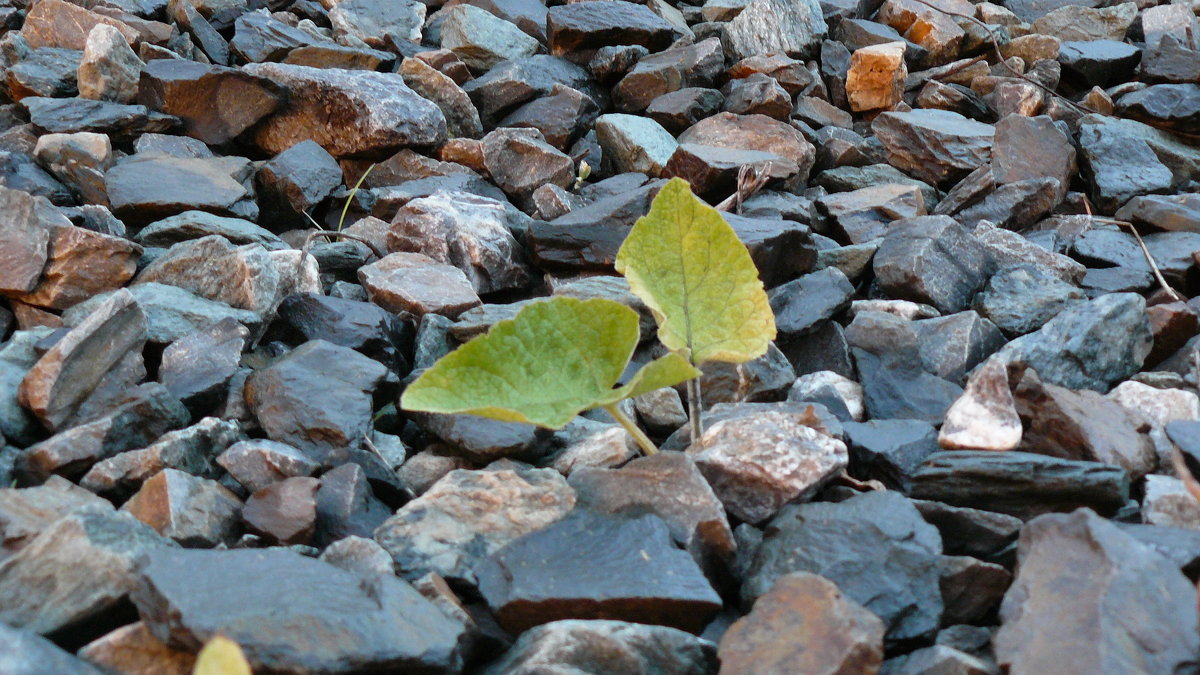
{"x": 688, "y": 265}
{"x": 666, "y": 371}
{"x": 553, "y": 360}
{"x": 221, "y": 656}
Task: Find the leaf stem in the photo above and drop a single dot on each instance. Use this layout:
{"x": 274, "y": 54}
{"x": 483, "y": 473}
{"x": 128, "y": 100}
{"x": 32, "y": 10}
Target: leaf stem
{"x": 631, "y": 427}
{"x": 695, "y": 405}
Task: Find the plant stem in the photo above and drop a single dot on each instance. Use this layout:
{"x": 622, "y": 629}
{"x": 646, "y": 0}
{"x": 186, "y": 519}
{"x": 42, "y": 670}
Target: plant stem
{"x": 695, "y": 405}
{"x": 631, "y": 427}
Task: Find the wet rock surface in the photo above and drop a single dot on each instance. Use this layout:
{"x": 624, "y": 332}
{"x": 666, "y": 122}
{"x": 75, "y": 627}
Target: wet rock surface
{"x": 972, "y": 343}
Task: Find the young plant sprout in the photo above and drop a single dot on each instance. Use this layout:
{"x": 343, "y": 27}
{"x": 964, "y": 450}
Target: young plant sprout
{"x": 562, "y": 356}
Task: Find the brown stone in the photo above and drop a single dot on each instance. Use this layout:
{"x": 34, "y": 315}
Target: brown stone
{"x": 196, "y": 512}
{"x": 804, "y": 625}
{"x": 468, "y": 515}
{"x": 758, "y": 463}
{"x": 54, "y": 23}
{"x": 25, "y": 224}
{"x": 1082, "y": 581}
{"x": 926, "y": 26}
{"x": 562, "y": 116}
{"x": 134, "y": 650}
{"x": 28, "y": 316}
{"x": 714, "y": 170}
{"x": 418, "y": 284}
{"x": 876, "y": 77}
{"x": 239, "y": 276}
{"x": 61, "y": 382}
{"x": 215, "y": 103}
{"x": 142, "y": 414}
{"x": 1173, "y": 324}
{"x": 971, "y": 589}
{"x": 350, "y": 113}
{"x": 690, "y": 66}
{"x": 462, "y": 119}
{"x": 284, "y": 512}
{"x": 788, "y": 72}
{"x": 678, "y": 110}
{"x": 465, "y": 151}
{"x": 25, "y": 512}
{"x": 447, "y": 63}
{"x": 1081, "y": 425}
{"x": 753, "y": 132}
{"x": 1032, "y": 47}
{"x": 520, "y": 161}
{"x": 81, "y": 264}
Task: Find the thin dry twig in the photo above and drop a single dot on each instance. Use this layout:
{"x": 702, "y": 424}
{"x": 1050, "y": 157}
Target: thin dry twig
{"x": 1158, "y": 275}
{"x": 751, "y": 179}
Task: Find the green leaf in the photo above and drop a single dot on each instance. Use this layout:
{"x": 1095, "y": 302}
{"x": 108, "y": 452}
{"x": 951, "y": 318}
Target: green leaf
{"x": 221, "y": 656}
{"x": 688, "y": 265}
{"x": 553, "y": 360}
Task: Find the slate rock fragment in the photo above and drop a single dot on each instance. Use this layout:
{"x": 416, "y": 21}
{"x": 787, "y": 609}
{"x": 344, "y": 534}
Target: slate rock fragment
{"x": 288, "y": 612}
{"x": 592, "y": 566}
{"x": 1034, "y": 625}
{"x": 874, "y": 546}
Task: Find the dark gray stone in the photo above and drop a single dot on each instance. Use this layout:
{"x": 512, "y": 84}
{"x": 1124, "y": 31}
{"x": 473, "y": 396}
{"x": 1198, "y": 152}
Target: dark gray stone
{"x": 294, "y": 181}
{"x": 512, "y": 83}
{"x": 933, "y": 260}
{"x": 144, "y": 189}
{"x": 951, "y": 346}
{"x": 1089, "y": 345}
{"x": 346, "y": 506}
{"x": 889, "y": 450}
{"x": 801, "y": 304}
{"x": 1021, "y": 299}
{"x": 1120, "y": 164}
{"x": 361, "y": 326}
{"x": 1020, "y": 484}
{"x": 896, "y": 386}
{"x": 196, "y": 368}
{"x": 576, "y": 30}
{"x": 874, "y": 546}
{"x": 71, "y": 115}
{"x": 590, "y": 566}
{"x": 1097, "y": 63}
{"x": 966, "y": 531}
{"x": 291, "y": 613}
{"x": 24, "y": 652}
{"x": 318, "y": 397}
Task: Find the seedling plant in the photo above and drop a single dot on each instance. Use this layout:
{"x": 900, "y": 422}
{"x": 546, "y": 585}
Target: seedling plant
{"x": 559, "y": 357}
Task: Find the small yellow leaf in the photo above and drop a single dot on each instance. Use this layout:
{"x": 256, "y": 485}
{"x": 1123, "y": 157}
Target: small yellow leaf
{"x": 221, "y": 656}
{"x": 689, "y": 267}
